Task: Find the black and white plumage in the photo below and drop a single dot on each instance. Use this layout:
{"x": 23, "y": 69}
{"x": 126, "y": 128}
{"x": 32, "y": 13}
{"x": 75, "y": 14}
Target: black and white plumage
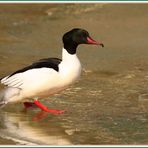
{"x": 47, "y": 76}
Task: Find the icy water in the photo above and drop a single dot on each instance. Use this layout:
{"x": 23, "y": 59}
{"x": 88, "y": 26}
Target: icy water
{"x": 109, "y": 104}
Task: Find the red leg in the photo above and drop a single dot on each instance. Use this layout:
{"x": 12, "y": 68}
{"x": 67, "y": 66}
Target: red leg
{"x": 45, "y": 108}
{"x": 39, "y": 116}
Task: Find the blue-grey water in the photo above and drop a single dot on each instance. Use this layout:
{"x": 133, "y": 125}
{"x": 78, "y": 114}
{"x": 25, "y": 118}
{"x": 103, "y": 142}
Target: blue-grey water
{"x": 109, "y": 103}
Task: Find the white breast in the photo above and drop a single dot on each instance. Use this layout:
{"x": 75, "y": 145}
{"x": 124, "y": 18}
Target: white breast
{"x": 69, "y": 68}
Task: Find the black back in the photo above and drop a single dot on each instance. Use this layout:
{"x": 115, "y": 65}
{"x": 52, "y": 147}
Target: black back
{"x": 48, "y": 63}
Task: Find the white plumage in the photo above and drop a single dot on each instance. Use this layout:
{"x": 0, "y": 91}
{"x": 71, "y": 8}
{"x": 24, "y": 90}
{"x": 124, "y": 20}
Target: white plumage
{"x": 42, "y": 82}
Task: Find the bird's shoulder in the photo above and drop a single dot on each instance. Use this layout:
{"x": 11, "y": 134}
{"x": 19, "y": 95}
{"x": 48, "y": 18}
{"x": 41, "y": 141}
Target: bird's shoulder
{"x": 19, "y": 77}
{"x": 42, "y": 63}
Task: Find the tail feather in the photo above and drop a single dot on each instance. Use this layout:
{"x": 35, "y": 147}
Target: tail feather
{"x": 2, "y": 102}
{"x": 9, "y": 94}
{"x": 1, "y": 78}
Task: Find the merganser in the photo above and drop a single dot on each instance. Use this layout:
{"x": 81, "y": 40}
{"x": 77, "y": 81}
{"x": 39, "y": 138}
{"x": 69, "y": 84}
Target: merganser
{"x": 47, "y": 76}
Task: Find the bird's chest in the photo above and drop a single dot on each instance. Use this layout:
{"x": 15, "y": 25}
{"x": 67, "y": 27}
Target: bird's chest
{"x": 68, "y": 74}
{"x": 69, "y": 71}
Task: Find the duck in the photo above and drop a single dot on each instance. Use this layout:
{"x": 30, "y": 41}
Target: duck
{"x": 47, "y": 76}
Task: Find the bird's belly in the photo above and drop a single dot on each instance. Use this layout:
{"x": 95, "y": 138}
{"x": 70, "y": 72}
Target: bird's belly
{"x": 50, "y": 87}
{"x": 50, "y": 91}
{"x": 58, "y": 86}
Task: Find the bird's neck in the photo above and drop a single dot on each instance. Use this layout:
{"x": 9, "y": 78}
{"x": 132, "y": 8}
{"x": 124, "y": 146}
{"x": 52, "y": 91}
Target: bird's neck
{"x": 66, "y": 56}
{"x": 70, "y": 67}
{"x": 70, "y": 46}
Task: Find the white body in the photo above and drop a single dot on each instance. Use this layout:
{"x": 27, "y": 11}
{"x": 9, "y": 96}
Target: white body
{"x": 43, "y": 82}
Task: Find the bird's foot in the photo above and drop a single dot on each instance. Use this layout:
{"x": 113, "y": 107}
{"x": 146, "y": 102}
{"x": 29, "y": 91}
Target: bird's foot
{"x": 45, "y": 108}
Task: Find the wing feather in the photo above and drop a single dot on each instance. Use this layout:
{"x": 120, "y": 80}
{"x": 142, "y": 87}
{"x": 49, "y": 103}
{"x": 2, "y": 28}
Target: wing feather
{"x": 32, "y": 73}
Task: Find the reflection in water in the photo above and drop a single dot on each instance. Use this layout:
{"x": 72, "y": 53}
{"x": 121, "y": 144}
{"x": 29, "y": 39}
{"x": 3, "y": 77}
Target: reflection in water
{"x": 40, "y": 115}
{"x": 16, "y": 127}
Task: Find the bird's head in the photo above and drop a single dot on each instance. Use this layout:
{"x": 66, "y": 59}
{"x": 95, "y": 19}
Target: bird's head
{"x": 76, "y": 37}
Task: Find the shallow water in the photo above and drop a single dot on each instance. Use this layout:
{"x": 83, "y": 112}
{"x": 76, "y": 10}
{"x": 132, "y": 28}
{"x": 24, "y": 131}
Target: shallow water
{"x": 109, "y": 104}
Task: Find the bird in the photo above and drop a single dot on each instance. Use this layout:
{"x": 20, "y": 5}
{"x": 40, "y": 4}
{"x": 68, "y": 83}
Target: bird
{"x": 47, "y": 76}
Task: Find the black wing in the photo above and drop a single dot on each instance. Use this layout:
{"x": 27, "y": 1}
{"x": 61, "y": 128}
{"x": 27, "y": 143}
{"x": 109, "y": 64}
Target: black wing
{"x": 48, "y": 63}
